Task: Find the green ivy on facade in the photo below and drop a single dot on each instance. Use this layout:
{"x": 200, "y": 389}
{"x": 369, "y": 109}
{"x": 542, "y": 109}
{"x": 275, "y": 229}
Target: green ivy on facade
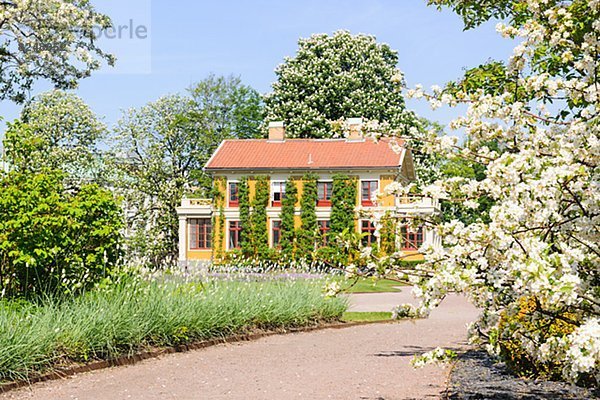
{"x": 258, "y": 218}
{"x": 244, "y": 205}
{"x": 343, "y": 203}
{"x": 308, "y": 216}
{"x": 288, "y": 209}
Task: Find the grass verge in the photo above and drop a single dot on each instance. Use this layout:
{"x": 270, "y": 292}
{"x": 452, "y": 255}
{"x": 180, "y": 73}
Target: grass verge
{"x": 368, "y": 285}
{"x": 127, "y": 319}
{"x": 366, "y": 316}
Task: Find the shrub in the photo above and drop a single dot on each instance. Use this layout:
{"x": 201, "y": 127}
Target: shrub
{"x": 244, "y": 200}
{"x": 52, "y": 239}
{"x": 529, "y": 319}
{"x": 258, "y": 218}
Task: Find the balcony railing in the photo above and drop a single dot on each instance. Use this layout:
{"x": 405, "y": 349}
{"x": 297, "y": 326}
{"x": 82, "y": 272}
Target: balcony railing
{"x": 417, "y": 204}
{"x": 196, "y": 202}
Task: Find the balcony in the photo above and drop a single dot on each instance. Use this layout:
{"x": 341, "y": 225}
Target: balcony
{"x": 417, "y": 205}
{"x": 195, "y": 207}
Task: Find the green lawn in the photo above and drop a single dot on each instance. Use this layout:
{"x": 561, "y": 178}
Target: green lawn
{"x": 366, "y": 316}
{"x": 368, "y": 285}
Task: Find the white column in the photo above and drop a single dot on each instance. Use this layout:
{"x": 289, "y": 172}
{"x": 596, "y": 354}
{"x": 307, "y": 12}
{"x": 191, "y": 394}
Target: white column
{"x": 182, "y": 238}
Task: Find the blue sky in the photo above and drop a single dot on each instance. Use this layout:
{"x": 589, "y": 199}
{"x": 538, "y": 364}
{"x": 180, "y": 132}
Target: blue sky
{"x": 190, "y": 39}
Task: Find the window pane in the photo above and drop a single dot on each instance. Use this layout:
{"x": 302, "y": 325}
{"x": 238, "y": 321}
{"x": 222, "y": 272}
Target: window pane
{"x": 365, "y": 191}
{"x": 368, "y": 189}
{"x": 233, "y": 192}
{"x": 321, "y": 188}
{"x": 193, "y": 233}
{"x": 278, "y": 191}
{"x": 234, "y": 234}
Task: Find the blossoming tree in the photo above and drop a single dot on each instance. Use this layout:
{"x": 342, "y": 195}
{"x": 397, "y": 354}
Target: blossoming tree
{"x": 48, "y": 39}
{"x": 57, "y": 130}
{"x": 334, "y": 77}
{"x": 533, "y": 265}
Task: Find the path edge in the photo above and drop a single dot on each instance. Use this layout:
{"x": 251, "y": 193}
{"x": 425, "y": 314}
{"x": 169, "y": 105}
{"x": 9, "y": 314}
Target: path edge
{"x": 62, "y": 373}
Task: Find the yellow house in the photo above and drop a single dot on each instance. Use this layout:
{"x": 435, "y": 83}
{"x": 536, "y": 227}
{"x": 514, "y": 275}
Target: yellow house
{"x": 207, "y": 227}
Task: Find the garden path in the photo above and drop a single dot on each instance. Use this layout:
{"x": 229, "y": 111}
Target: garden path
{"x": 360, "y": 362}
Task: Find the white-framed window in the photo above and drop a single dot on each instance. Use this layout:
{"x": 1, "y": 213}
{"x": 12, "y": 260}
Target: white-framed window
{"x": 235, "y": 235}
{"x": 277, "y": 193}
{"x": 233, "y": 194}
{"x": 368, "y": 188}
{"x": 324, "y": 190}
{"x": 276, "y": 233}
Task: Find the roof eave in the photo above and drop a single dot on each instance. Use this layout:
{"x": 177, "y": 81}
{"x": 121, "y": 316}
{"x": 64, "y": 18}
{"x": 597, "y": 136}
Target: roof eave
{"x": 206, "y": 166}
{"x": 341, "y": 168}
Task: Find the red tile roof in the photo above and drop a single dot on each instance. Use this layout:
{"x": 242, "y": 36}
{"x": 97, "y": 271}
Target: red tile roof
{"x": 303, "y": 154}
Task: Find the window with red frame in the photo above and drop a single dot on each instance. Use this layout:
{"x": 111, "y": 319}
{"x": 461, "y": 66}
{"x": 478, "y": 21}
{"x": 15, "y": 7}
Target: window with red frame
{"x": 368, "y": 228}
{"x": 234, "y": 194}
{"x": 368, "y": 190}
{"x": 324, "y": 228}
{"x": 200, "y": 234}
{"x": 325, "y": 189}
{"x": 235, "y": 234}
{"x": 277, "y": 193}
{"x": 411, "y": 239}
{"x": 276, "y": 234}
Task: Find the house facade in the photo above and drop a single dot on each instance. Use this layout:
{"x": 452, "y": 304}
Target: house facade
{"x": 207, "y": 228}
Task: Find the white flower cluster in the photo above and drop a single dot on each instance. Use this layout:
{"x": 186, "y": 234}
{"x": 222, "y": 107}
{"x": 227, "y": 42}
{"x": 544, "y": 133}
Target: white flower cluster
{"x": 437, "y": 356}
{"x": 319, "y": 85}
{"x": 48, "y": 39}
{"x": 408, "y": 310}
{"x": 332, "y": 289}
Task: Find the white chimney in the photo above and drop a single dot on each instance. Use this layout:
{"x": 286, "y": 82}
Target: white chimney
{"x": 355, "y": 129}
{"x": 276, "y": 131}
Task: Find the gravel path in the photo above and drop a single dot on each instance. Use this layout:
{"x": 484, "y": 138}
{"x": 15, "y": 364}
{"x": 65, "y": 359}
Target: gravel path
{"x": 362, "y": 362}
{"x": 363, "y": 302}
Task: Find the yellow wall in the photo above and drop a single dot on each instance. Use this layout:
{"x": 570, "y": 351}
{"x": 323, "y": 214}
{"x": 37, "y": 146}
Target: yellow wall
{"x": 199, "y": 254}
{"x": 222, "y": 186}
{"x": 297, "y": 221}
{"x": 195, "y": 254}
{"x": 384, "y": 181}
{"x": 413, "y": 256}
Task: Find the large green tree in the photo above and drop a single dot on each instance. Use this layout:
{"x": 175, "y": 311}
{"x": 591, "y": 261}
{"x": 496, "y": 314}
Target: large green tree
{"x": 56, "y": 130}
{"x": 48, "y": 39}
{"x": 334, "y": 77}
{"x": 156, "y": 149}
{"x": 160, "y": 149}
{"x": 224, "y": 108}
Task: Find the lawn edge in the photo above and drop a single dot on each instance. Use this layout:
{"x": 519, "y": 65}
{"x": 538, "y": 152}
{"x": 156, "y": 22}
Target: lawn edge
{"x": 62, "y": 373}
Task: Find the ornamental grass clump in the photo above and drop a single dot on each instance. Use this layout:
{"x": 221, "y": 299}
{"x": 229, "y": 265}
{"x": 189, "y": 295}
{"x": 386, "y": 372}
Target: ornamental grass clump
{"x": 136, "y": 315}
